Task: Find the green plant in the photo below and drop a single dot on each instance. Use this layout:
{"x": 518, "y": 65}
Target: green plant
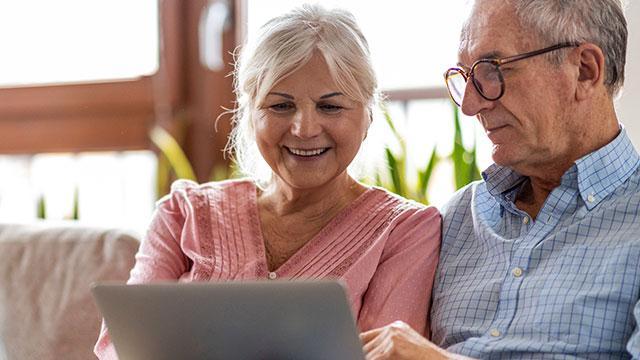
{"x": 174, "y": 164}
{"x": 171, "y": 159}
{"x": 464, "y": 161}
{"x": 464, "y": 164}
{"x": 41, "y": 207}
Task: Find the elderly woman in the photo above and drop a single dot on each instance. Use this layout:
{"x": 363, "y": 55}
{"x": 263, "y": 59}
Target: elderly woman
{"x": 306, "y": 92}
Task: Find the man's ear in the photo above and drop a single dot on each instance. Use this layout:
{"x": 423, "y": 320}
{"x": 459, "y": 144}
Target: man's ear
{"x": 591, "y": 70}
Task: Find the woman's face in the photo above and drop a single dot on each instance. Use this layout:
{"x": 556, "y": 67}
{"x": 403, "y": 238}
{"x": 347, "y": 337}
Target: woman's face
{"x": 307, "y": 130}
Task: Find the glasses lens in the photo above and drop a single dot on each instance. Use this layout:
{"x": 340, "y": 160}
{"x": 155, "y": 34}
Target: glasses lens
{"x": 488, "y": 80}
{"x": 456, "y": 83}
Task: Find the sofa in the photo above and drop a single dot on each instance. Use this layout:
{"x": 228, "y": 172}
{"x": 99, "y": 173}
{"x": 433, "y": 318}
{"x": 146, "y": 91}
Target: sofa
{"x": 46, "y": 272}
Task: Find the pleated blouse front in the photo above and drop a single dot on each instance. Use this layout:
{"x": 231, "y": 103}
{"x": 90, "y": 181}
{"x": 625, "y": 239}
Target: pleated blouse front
{"x": 384, "y": 248}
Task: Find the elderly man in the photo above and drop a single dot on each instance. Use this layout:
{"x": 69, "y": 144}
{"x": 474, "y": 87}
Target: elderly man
{"x": 542, "y": 258}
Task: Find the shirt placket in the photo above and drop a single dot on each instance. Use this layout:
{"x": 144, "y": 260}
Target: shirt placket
{"x": 531, "y": 234}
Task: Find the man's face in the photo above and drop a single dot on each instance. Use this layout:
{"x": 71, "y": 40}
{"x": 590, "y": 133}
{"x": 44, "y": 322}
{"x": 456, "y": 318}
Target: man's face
{"x": 530, "y": 125}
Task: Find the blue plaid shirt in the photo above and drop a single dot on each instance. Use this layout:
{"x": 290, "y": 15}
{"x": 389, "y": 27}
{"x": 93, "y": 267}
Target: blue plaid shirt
{"x": 563, "y": 286}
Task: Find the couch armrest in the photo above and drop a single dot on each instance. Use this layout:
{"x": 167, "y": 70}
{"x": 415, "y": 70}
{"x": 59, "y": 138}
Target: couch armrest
{"x": 46, "y": 308}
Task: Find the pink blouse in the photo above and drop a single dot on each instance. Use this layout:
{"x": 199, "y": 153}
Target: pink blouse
{"x": 383, "y": 247}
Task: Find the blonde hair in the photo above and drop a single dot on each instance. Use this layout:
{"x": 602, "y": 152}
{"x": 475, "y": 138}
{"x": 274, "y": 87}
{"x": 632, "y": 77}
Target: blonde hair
{"x": 285, "y": 44}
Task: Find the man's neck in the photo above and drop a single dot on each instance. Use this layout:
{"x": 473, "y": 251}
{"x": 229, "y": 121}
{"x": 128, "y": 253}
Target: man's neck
{"x": 601, "y": 128}
{"x": 533, "y": 195}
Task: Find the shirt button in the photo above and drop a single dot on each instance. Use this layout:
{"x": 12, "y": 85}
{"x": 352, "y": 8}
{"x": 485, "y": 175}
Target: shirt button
{"x": 525, "y": 220}
{"x": 273, "y": 275}
{"x": 517, "y": 272}
{"x": 591, "y": 198}
{"x": 495, "y": 333}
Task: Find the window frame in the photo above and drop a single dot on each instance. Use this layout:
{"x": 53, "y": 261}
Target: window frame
{"x": 93, "y": 116}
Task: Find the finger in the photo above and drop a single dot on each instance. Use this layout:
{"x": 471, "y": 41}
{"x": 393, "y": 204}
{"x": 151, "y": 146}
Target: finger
{"x": 399, "y": 324}
{"x": 373, "y": 343}
{"x": 381, "y": 352}
{"x": 366, "y": 336}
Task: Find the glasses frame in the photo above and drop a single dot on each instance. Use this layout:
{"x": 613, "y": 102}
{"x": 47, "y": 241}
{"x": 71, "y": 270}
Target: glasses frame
{"x": 497, "y": 63}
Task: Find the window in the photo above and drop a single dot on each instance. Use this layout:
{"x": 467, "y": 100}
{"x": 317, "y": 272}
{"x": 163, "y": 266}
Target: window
{"x": 67, "y": 41}
{"x": 77, "y": 100}
{"x": 100, "y": 188}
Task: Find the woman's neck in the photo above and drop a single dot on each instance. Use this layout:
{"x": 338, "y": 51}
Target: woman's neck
{"x": 283, "y": 199}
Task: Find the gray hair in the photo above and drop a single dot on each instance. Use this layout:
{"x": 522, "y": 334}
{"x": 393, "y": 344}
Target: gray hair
{"x": 285, "y": 44}
{"x": 600, "y": 22}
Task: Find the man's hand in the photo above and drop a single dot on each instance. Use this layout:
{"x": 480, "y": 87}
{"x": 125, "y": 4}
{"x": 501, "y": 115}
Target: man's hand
{"x": 399, "y": 341}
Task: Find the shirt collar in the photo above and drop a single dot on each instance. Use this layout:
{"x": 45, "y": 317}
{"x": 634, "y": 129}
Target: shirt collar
{"x": 604, "y": 170}
{"x": 500, "y": 179}
{"x": 596, "y": 174}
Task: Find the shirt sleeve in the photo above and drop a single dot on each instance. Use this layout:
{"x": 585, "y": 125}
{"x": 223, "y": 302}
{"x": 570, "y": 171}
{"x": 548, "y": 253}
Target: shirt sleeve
{"x": 160, "y": 256}
{"x": 401, "y": 285}
{"x": 633, "y": 345}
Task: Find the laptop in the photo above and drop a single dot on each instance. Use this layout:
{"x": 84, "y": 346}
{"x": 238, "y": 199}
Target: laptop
{"x": 231, "y": 320}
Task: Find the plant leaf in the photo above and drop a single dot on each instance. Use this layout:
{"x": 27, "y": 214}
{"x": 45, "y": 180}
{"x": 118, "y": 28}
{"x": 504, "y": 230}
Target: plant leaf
{"x": 424, "y": 177}
{"x": 170, "y": 148}
{"x": 394, "y": 171}
{"x": 42, "y": 208}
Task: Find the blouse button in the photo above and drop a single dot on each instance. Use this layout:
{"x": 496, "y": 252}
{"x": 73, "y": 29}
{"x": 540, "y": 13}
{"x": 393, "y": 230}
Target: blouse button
{"x": 273, "y": 276}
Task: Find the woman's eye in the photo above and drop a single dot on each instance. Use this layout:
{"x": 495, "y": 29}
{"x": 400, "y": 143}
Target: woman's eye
{"x": 330, "y": 108}
{"x": 281, "y": 107}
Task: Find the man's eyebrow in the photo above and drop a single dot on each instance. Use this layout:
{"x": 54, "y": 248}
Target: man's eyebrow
{"x": 489, "y": 55}
{"x": 282, "y": 94}
{"x": 331, "y": 95}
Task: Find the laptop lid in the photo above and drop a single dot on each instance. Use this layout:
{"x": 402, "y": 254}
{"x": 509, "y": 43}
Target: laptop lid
{"x": 230, "y": 320}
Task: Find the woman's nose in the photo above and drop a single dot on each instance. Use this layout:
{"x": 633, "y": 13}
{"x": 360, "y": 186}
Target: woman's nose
{"x": 306, "y": 124}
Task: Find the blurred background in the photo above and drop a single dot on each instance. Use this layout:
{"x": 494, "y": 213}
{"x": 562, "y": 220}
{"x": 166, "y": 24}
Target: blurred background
{"x": 104, "y": 103}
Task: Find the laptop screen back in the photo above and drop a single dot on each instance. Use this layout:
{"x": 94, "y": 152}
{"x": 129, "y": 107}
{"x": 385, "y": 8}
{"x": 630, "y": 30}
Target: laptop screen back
{"x": 231, "y": 320}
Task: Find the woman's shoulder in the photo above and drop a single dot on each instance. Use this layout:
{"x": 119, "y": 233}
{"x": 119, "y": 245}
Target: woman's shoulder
{"x": 189, "y": 187}
{"x": 408, "y": 223}
{"x": 187, "y": 191}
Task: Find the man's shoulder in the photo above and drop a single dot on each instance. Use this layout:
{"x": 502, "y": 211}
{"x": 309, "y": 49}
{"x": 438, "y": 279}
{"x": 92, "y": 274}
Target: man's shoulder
{"x": 457, "y": 213}
{"x": 462, "y": 200}
{"x": 628, "y": 191}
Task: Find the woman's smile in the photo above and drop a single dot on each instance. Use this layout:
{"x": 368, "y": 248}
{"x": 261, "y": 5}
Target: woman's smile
{"x": 307, "y": 154}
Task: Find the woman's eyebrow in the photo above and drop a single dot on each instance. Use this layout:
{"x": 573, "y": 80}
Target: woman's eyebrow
{"x": 287, "y": 96}
{"x": 331, "y": 95}
{"x": 282, "y": 94}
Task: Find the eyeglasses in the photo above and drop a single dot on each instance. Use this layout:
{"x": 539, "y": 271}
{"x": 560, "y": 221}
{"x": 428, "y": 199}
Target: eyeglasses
{"x": 486, "y": 75}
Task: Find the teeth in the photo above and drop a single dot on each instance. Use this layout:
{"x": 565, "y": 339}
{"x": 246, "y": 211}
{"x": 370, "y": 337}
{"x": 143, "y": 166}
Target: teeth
{"x": 307, "y": 152}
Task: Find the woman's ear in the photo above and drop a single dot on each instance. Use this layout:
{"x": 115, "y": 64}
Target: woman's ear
{"x": 591, "y": 70}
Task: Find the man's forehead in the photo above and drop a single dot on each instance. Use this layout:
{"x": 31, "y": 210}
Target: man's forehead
{"x": 491, "y": 31}
{"x": 483, "y": 47}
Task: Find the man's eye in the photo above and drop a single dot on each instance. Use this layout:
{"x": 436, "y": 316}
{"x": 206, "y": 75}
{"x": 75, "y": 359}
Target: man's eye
{"x": 330, "y": 108}
{"x": 505, "y": 70}
{"x": 281, "y": 107}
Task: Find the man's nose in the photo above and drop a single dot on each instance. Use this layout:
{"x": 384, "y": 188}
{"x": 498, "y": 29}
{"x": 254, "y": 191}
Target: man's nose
{"x": 472, "y": 102}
